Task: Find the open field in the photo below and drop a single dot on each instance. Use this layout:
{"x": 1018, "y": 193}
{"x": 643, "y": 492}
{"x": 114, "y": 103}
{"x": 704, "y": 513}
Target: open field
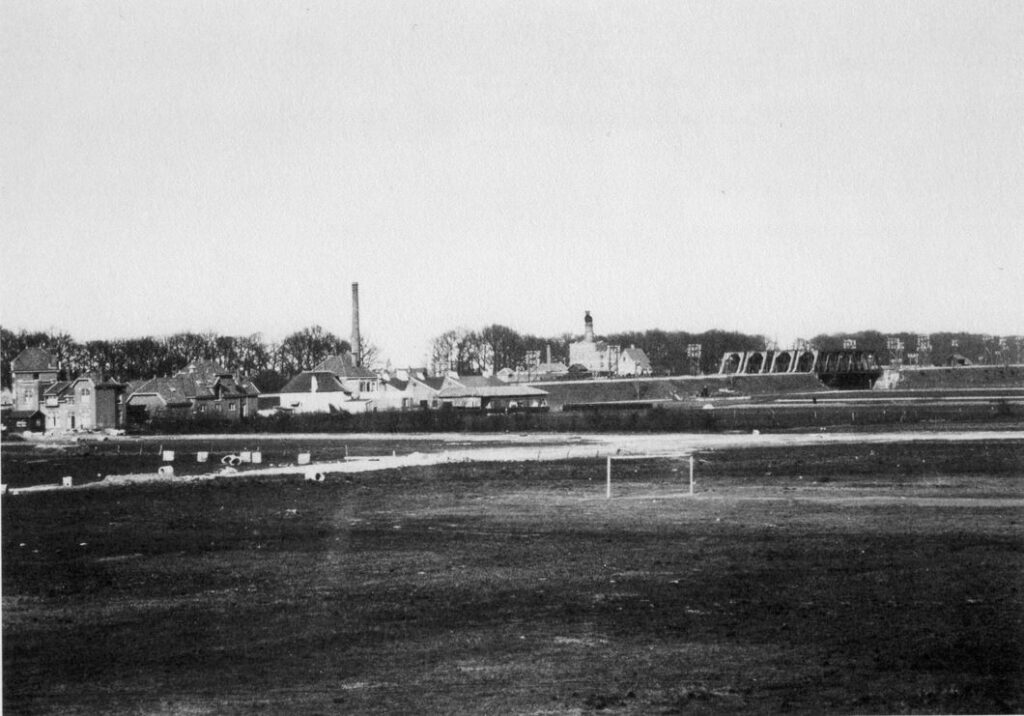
{"x": 849, "y": 577}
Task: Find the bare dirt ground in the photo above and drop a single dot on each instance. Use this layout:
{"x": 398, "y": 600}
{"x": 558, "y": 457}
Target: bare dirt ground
{"x": 807, "y": 575}
{"x": 44, "y": 462}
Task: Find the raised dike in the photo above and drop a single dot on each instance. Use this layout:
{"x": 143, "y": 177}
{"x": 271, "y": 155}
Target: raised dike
{"x": 632, "y": 392}
{"x": 951, "y": 377}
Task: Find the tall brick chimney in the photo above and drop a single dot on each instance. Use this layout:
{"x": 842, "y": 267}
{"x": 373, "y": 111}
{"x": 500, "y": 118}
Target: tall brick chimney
{"x": 357, "y": 344}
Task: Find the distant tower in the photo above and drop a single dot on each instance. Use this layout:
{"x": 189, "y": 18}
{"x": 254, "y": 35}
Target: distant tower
{"x": 357, "y": 345}
{"x": 588, "y": 328}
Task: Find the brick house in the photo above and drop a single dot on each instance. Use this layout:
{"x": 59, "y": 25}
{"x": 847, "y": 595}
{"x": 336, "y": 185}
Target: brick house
{"x": 202, "y": 389}
{"x": 88, "y": 402}
{"x": 32, "y": 372}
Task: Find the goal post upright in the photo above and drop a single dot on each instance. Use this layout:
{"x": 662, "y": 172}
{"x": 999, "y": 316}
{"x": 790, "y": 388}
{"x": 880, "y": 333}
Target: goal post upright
{"x": 608, "y": 488}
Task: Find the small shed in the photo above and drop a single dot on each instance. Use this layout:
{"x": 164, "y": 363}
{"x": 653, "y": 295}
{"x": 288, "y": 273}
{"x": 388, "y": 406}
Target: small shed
{"x": 22, "y": 420}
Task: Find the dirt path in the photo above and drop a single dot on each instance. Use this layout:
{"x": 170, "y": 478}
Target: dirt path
{"x": 546, "y": 447}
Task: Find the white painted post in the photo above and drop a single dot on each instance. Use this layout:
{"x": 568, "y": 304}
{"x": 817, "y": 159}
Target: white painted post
{"x": 691, "y": 474}
{"x": 608, "y": 489}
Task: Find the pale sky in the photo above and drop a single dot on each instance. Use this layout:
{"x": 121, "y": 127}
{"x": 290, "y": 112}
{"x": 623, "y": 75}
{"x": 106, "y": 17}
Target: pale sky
{"x": 783, "y": 168}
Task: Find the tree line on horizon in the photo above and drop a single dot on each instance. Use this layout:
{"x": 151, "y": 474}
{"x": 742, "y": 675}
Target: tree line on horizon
{"x": 270, "y": 364}
{"x": 496, "y": 347}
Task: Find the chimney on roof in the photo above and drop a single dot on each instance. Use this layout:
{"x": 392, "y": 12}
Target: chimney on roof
{"x": 357, "y": 346}
{"x": 588, "y": 328}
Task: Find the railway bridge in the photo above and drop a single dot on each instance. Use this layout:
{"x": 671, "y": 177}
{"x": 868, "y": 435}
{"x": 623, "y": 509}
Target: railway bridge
{"x": 845, "y": 369}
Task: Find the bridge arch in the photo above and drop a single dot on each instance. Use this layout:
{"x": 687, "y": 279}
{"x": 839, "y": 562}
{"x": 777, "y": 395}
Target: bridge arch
{"x": 755, "y": 362}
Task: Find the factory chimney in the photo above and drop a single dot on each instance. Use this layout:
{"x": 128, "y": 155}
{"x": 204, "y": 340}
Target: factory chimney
{"x": 588, "y": 328}
{"x": 357, "y": 345}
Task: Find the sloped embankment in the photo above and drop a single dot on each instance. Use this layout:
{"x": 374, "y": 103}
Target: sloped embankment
{"x": 650, "y": 390}
{"x": 931, "y": 378}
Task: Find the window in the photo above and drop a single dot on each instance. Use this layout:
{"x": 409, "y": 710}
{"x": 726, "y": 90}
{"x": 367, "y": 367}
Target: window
{"x": 231, "y": 405}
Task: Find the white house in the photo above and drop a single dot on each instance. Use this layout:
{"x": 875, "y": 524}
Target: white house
{"x": 633, "y": 361}
{"x": 319, "y": 391}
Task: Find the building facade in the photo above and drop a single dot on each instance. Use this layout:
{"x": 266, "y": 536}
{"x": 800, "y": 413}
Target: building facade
{"x": 599, "y": 357}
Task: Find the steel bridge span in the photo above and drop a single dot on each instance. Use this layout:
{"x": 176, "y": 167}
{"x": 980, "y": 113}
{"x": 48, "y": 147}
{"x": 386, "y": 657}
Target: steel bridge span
{"x": 846, "y": 369}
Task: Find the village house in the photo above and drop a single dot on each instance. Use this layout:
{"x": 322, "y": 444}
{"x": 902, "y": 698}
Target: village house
{"x": 408, "y": 389}
{"x": 202, "y": 389}
{"x": 317, "y": 391}
{"x": 89, "y": 402}
{"x": 32, "y": 372}
{"x": 335, "y": 384}
{"x": 360, "y": 382}
{"x": 489, "y": 394}
{"x": 633, "y": 361}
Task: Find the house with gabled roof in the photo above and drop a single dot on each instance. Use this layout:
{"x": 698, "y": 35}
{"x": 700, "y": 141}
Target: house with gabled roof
{"x": 319, "y": 391}
{"x": 32, "y": 372}
{"x": 202, "y": 389}
{"x": 633, "y": 361}
{"x": 89, "y": 402}
{"x": 359, "y": 381}
{"x": 490, "y": 394}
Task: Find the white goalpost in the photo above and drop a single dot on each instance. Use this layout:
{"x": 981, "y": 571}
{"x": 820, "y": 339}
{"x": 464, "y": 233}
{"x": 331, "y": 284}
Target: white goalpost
{"x": 608, "y": 481}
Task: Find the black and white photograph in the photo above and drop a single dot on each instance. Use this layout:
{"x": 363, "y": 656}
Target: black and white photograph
{"x": 494, "y": 357}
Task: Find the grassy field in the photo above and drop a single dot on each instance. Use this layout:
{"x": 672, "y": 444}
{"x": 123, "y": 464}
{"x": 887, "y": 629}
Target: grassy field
{"x": 832, "y": 579}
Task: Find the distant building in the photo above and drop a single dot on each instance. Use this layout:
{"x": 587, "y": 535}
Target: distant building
{"x": 32, "y": 372}
{"x": 88, "y": 402}
{"x": 318, "y": 391}
{"x": 490, "y": 395}
{"x": 633, "y": 361}
{"x": 602, "y": 358}
{"x": 360, "y": 382}
{"x": 598, "y": 357}
{"x": 203, "y": 389}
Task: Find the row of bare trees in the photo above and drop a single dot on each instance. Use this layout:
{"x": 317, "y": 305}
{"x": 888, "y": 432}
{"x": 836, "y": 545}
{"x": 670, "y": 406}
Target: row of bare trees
{"x": 672, "y": 352}
{"x": 495, "y": 347}
{"x": 269, "y": 364}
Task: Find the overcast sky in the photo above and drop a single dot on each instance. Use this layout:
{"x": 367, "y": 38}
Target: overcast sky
{"x": 783, "y": 168}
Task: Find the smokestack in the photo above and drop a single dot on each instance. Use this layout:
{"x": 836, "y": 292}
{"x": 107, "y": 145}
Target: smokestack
{"x": 588, "y": 328}
{"x": 357, "y": 345}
